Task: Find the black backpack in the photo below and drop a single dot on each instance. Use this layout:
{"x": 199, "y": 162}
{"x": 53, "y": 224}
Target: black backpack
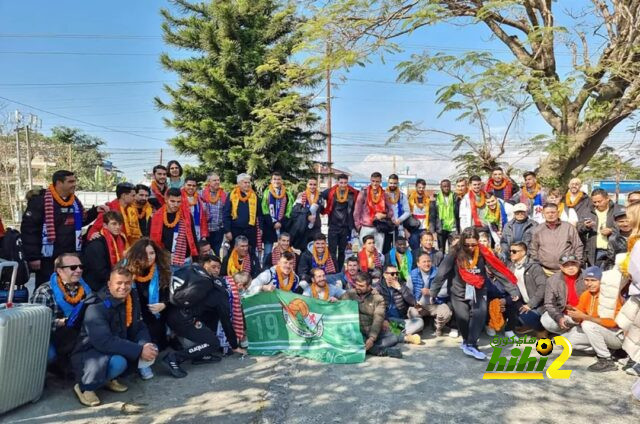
{"x": 11, "y": 250}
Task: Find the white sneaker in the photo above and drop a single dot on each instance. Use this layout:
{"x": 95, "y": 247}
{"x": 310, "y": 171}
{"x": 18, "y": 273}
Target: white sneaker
{"x": 509, "y": 334}
{"x": 454, "y": 333}
{"x": 490, "y": 332}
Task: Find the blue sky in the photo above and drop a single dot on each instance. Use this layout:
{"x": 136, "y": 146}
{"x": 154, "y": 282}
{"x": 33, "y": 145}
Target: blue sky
{"x": 97, "y": 62}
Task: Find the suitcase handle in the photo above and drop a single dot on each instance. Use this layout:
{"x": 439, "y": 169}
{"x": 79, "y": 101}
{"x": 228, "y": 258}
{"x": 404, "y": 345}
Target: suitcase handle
{"x": 14, "y": 274}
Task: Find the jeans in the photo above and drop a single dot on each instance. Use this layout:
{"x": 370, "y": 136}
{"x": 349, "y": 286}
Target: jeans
{"x": 589, "y": 336}
{"x": 514, "y": 318}
{"x": 414, "y": 239}
{"x": 443, "y": 237}
{"x": 268, "y": 247}
{"x": 117, "y": 366}
{"x": 471, "y": 316}
{"x": 52, "y": 355}
{"x": 385, "y": 339}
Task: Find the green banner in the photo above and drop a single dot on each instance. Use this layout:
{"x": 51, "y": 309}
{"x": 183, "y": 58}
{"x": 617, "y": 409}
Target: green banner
{"x": 284, "y": 322}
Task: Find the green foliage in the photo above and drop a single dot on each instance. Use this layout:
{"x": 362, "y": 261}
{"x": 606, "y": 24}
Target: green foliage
{"x": 239, "y": 105}
{"x": 607, "y": 164}
{"x": 101, "y": 181}
{"x": 75, "y": 150}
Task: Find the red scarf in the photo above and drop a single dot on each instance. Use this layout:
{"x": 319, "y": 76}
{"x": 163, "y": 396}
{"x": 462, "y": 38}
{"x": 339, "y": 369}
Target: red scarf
{"x": 507, "y": 186}
{"x": 332, "y": 197}
{"x": 363, "y": 259}
{"x": 185, "y": 236}
{"x": 236, "y": 310}
{"x": 572, "y": 293}
{"x": 477, "y": 280}
{"x": 380, "y": 206}
{"x": 474, "y": 210}
{"x": 277, "y": 252}
{"x": 115, "y": 246}
{"x": 157, "y": 193}
{"x": 204, "y": 218}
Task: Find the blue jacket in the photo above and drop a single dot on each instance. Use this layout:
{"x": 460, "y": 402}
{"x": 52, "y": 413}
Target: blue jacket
{"x": 418, "y": 284}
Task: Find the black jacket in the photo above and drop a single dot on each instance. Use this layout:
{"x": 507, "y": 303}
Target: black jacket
{"x": 33, "y": 220}
{"x": 535, "y": 280}
{"x": 402, "y": 299}
{"x": 589, "y": 235}
{"x": 104, "y": 333}
{"x": 255, "y": 265}
{"x": 436, "y": 257}
{"x": 617, "y": 244}
{"x": 97, "y": 265}
{"x": 305, "y": 264}
{"x": 508, "y": 233}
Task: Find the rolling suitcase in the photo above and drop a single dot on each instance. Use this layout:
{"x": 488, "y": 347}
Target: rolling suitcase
{"x": 24, "y": 340}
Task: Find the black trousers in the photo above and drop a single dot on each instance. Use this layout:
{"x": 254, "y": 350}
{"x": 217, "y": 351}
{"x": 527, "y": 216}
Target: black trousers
{"x": 43, "y": 275}
{"x": 338, "y": 239}
{"x": 443, "y": 236}
{"x": 470, "y": 316}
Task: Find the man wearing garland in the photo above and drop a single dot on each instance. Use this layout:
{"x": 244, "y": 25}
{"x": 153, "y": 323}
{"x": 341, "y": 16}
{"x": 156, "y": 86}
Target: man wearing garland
{"x": 347, "y": 277}
{"x": 421, "y": 208}
{"x": 144, "y": 210}
{"x": 533, "y": 196}
{"x": 214, "y": 198}
{"x": 576, "y": 202}
{"x": 105, "y": 251}
{"x": 241, "y": 213}
{"x": 462, "y": 188}
{"x": 52, "y": 224}
{"x": 281, "y": 277}
{"x": 173, "y": 229}
{"x": 316, "y": 256}
{"x": 283, "y": 245}
{"x": 124, "y": 205}
{"x": 445, "y": 216}
{"x": 305, "y": 218}
{"x": 193, "y": 204}
{"x": 64, "y": 294}
{"x": 400, "y": 206}
{"x": 241, "y": 258}
{"x": 369, "y": 258}
{"x": 277, "y": 203}
{"x": 320, "y": 289}
{"x": 401, "y": 257}
{"x": 501, "y": 185}
{"x": 498, "y": 215}
{"x": 340, "y": 202}
{"x": 159, "y": 187}
{"x": 372, "y": 205}
{"x": 473, "y": 205}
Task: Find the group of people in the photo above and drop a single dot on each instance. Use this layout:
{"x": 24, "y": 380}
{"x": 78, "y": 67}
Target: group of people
{"x": 164, "y": 267}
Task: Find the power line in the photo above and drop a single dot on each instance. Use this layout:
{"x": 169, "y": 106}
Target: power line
{"x": 60, "y": 53}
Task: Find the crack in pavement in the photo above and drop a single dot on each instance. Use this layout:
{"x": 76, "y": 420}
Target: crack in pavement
{"x": 276, "y": 398}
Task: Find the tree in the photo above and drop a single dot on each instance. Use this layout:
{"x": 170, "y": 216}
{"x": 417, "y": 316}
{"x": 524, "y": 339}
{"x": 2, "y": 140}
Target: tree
{"x": 75, "y": 150}
{"x": 581, "y": 107}
{"x": 608, "y": 164}
{"x": 474, "y": 95}
{"x": 101, "y": 180}
{"x": 239, "y": 105}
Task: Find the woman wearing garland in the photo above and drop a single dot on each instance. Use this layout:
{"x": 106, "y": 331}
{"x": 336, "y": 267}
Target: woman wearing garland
{"x": 149, "y": 264}
{"x": 105, "y": 251}
{"x": 466, "y": 270}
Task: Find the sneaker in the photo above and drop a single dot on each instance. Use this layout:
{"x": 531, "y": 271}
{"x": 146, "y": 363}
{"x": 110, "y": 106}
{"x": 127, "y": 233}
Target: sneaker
{"x": 412, "y": 339}
{"x": 490, "y": 332}
{"x": 115, "y": 386}
{"x": 207, "y": 359}
{"x": 473, "y": 351}
{"x": 509, "y": 334}
{"x": 632, "y": 368}
{"x": 171, "y": 364}
{"x": 145, "y": 373}
{"x": 603, "y": 365}
{"x": 394, "y": 352}
{"x": 87, "y": 398}
{"x": 454, "y": 333}
{"x": 244, "y": 343}
{"x": 463, "y": 345}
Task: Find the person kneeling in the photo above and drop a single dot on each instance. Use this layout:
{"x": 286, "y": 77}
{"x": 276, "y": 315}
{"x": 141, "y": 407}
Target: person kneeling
{"x": 199, "y": 301}
{"x": 595, "y": 334}
{"x": 113, "y": 338}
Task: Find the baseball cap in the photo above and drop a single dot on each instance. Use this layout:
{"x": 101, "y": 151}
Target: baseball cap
{"x": 619, "y": 213}
{"x": 520, "y": 207}
{"x": 568, "y": 258}
{"x": 594, "y": 272}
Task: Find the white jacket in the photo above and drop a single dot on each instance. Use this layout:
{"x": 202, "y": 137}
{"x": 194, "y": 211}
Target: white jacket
{"x": 610, "y": 289}
{"x": 629, "y": 321}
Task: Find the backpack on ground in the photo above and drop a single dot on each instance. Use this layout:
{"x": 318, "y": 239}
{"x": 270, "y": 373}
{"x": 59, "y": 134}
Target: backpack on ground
{"x": 11, "y": 250}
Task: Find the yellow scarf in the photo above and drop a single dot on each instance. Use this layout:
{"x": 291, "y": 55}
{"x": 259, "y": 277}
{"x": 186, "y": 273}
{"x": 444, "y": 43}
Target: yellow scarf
{"x": 131, "y": 224}
{"x": 413, "y": 202}
{"x": 236, "y": 197}
{"x": 234, "y": 266}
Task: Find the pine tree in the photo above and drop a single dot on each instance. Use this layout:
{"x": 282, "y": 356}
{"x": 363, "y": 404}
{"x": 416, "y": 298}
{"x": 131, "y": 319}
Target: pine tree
{"x": 240, "y": 105}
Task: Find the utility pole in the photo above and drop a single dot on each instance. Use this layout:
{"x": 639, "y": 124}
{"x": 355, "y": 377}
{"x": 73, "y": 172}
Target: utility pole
{"x": 394, "y": 164}
{"x": 160, "y": 157}
{"x": 34, "y": 123}
{"x": 329, "y": 116}
{"x": 18, "y": 121}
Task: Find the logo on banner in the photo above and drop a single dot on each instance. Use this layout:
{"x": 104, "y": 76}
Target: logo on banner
{"x": 301, "y": 321}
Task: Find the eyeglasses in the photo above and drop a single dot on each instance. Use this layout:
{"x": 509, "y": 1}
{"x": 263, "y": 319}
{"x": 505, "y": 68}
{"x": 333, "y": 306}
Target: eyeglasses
{"x": 73, "y": 267}
{"x": 393, "y": 274}
{"x": 514, "y": 251}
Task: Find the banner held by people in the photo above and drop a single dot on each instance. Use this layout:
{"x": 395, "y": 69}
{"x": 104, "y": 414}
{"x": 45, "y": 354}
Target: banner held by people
{"x": 283, "y": 322}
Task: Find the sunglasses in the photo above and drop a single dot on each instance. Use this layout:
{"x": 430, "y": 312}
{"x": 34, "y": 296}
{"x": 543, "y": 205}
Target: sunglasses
{"x": 513, "y": 252}
{"x": 73, "y": 267}
{"x": 393, "y": 274}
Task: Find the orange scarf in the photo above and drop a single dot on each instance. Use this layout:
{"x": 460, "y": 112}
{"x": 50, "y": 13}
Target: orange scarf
{"x": 569, "y": 203}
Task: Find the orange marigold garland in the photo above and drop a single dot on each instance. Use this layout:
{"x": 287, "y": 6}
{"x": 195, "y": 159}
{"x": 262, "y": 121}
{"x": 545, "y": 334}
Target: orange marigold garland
{"x": 148, "y": 277}
{"x": 128, "y": 303}
{"x": 281, "y": 280}
{"x": 314, "y": 292}
{"x": 175, "y": 221}
{"x": 532, "y": 195}
{"x": 71, "y": 300}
